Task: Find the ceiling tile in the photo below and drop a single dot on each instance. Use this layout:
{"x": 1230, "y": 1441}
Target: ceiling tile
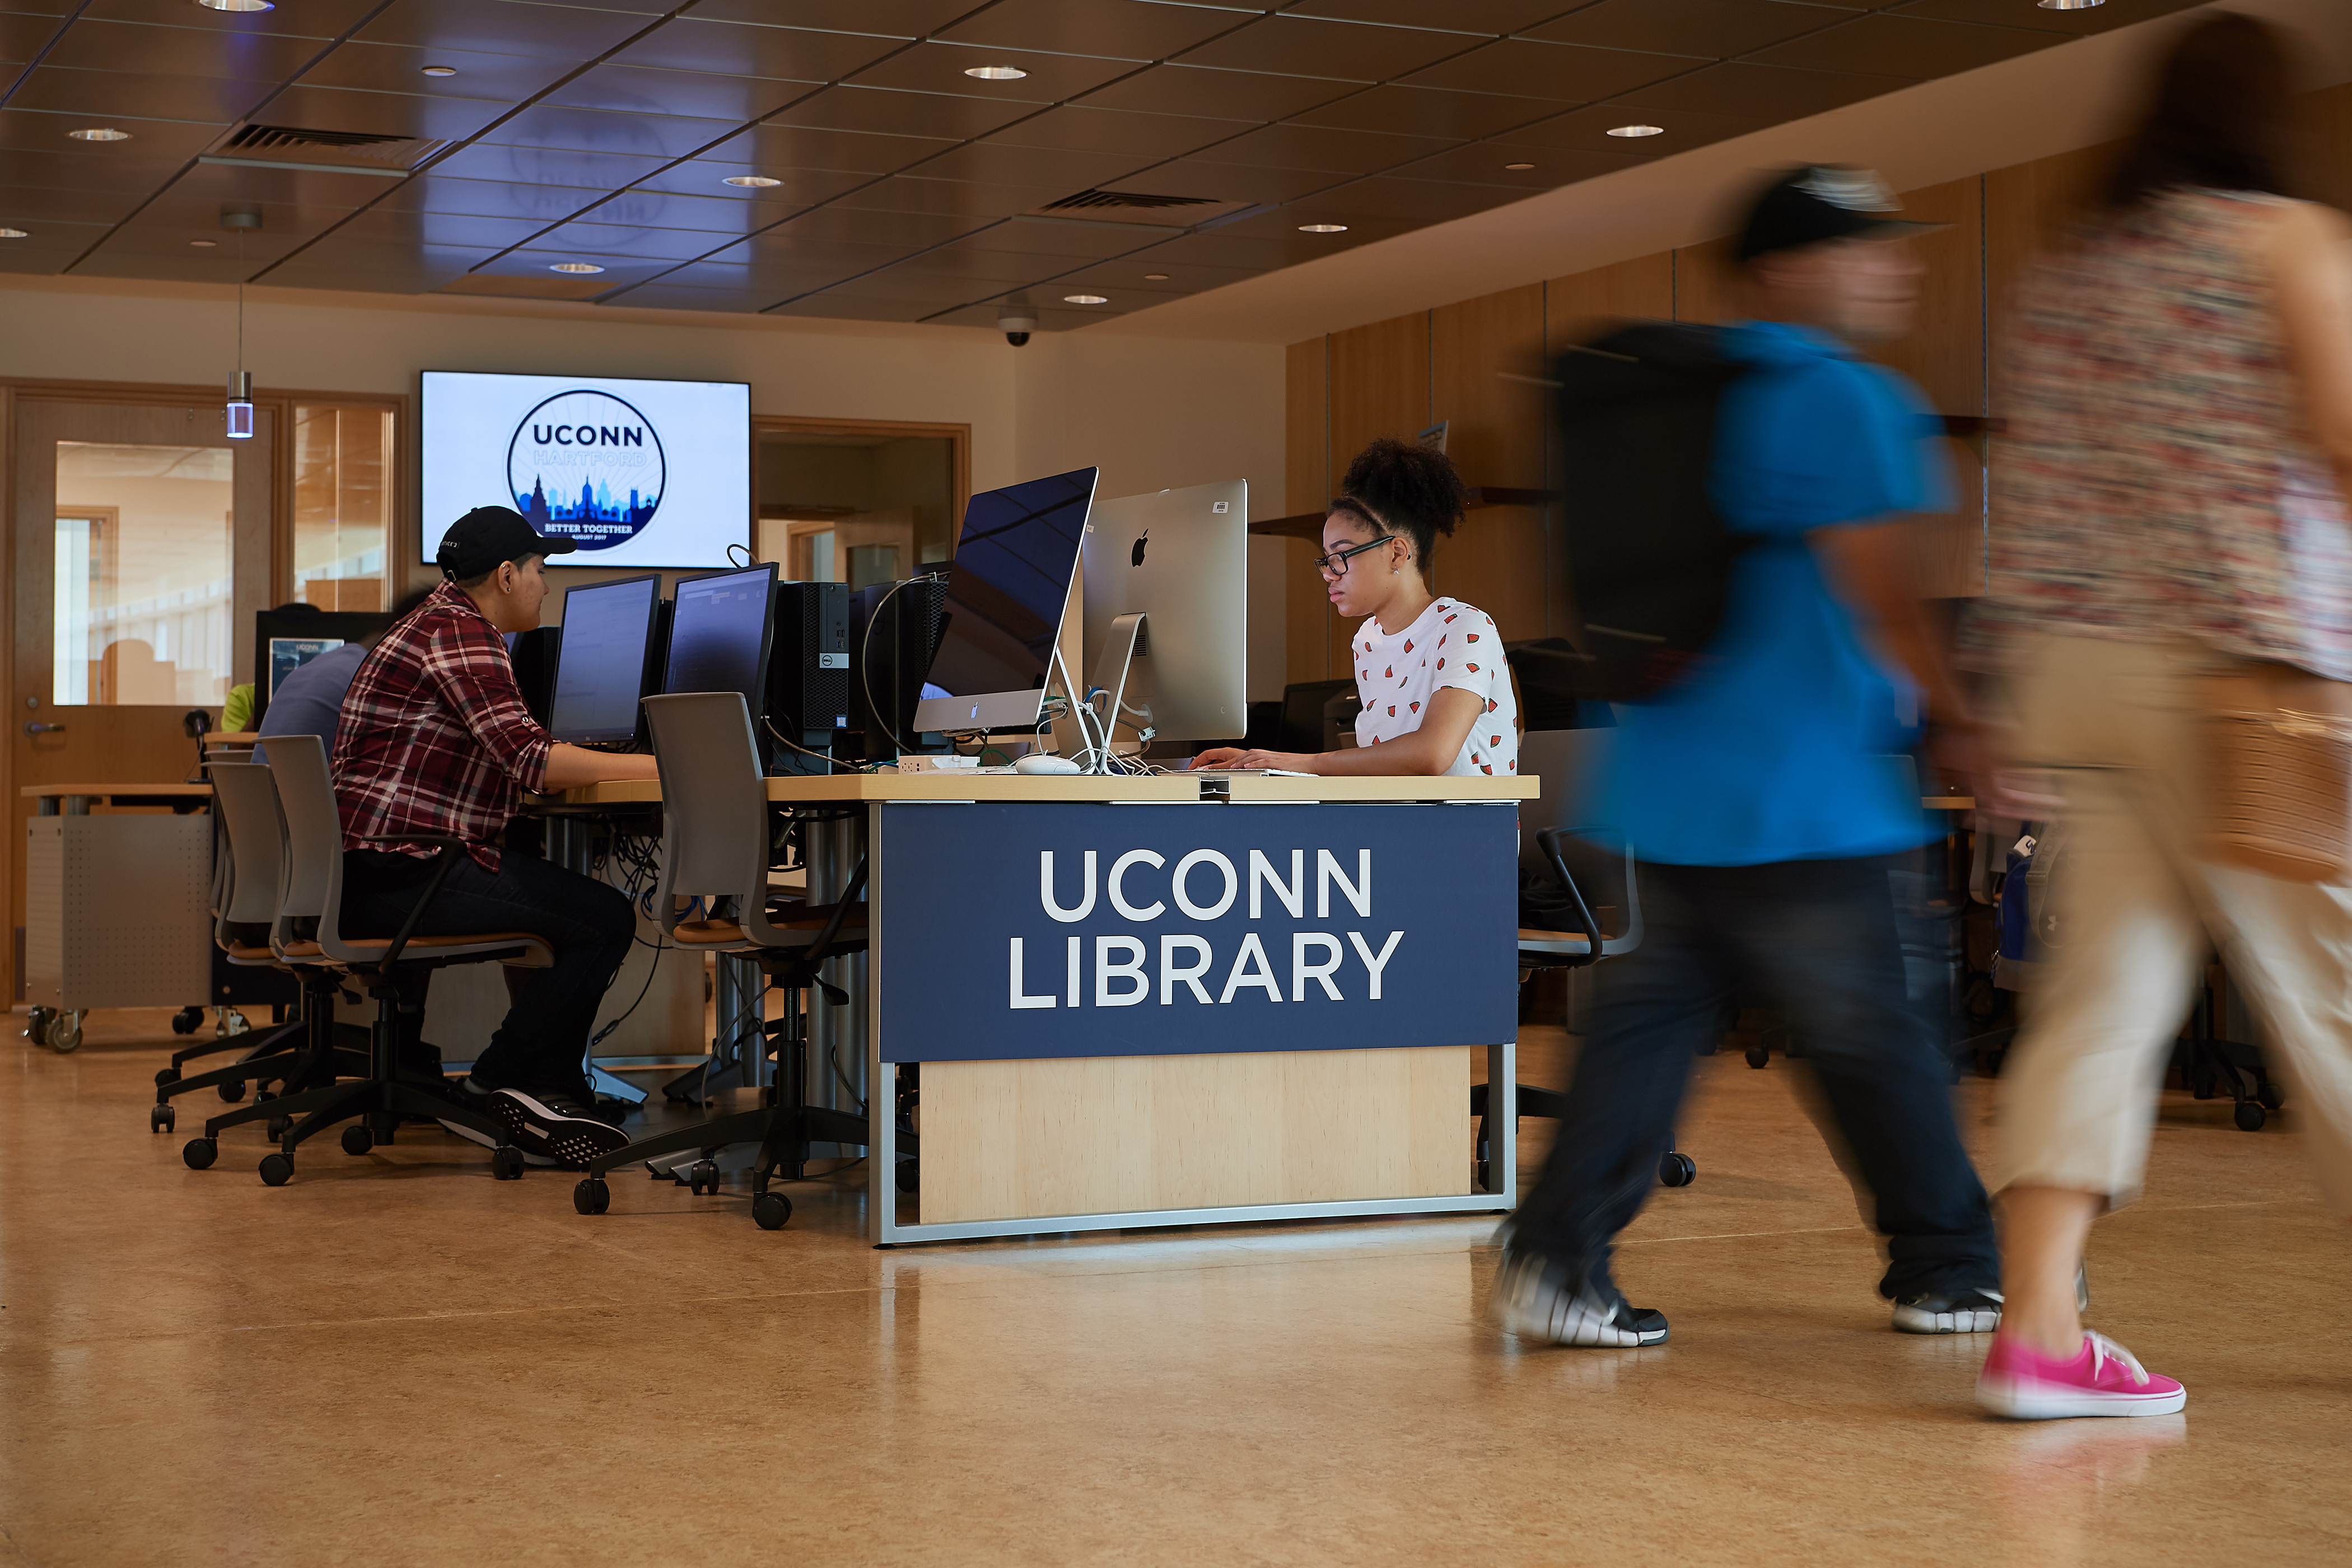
{"x": 895, "y": 19}
{"x": 101, "y": 94}
{"x": 1316, "y": 147}
{"x": 1763, "y": 92}
{"x": 848, "y": 308}
{"x": 1492, "y": 18}
{"x": 313, "y": 18}
{"x": 1535, "y": 70}
{"x": 2105, "y": 18}
{"x": 540, "y": 263}
{"x": 174, "y": 51}
{"x": 1322, "y": 47}
{"x": 1718, "y": 29}
{"x": 171, "y": 141}
{"x": 902, "y": 232}
{"x": 1914, "y": 47}
{"x": 504, "y": 27}
{"x": 441, "y": 192}
{"x": 921, "y": 292}
{"x": 165, "y": 228}
{"x": 789, "y": 54}
{"x": 476, "y": 234}
{"x": 596, "y": 131}
{"x": 717, "y": 218}
{"x": 940, "y": 68}
{"x": 1112, "y": 29}
{"x": 664, "y": 295}
{"x": 1413, "y": 201}
{"x": 380, "y": 113}
{"x": 1283, "y": 227}
{"x": 1081, "y": 129}
{"x": 955, "y": 198}
{"x": 647, "y": 89}
{"x": 967, "y": 272}
{"x": 774, "y": 150}
{"x": 400, "y": 67}
{"x": 1483, "y": 162}
{"x": 1223, "y": 94}
{"x": 335, "y": 262}
{"x": 1588, "y": 130}
{"x": 29, "y": 207}
{"x": 1431, "y": 111}
{"x": 949, "y": 115}
{"x": 600, "y": 241}
{"x": 1070, "y": 171}
{"x": 1136, "y": 271}
{"x": 1253, "y": 183}
{"x": 1050, "y": 318}
{"x": 84, "y": 169}
{"x": 1076, "y": 238}
{"x": 548, "y": 166}
{"x": 213, "y": 184}
{"x": 781, "y": 252}
{"x": 22, "y": 38}
{"x": 704, "y": 182}
{"x": 49, "y": 245}
{"x": 1242, "y": 252}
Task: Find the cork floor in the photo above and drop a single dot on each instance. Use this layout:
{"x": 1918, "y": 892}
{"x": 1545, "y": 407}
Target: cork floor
{"x": 397, "y": 1361}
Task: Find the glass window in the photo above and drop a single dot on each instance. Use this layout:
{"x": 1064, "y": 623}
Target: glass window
{"x": 342, "y": 504}
{"x": 854, "y": 508}
{"x": 142, "y": 575}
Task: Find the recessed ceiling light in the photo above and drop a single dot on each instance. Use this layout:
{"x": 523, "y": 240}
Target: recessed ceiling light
{"x": 1155, "y": 278}
{"x": 100, "y": 134}
{"x": 2068, "y": 5}
{"x": 1322, "y": 228}
{"x": 14, "y": 234}
{"x": 573, "y": 267}
{"x": 996, "y": 73}
{"x": 751, "y": 182}
{"x": 238, "y": 5}
{"x": 438, "y": 70}
{"x": 1085, "y": 299}
{"x": 1638, "y": 130}
{"x": 1519, "y": 165}
{"x": 204, "y": 243}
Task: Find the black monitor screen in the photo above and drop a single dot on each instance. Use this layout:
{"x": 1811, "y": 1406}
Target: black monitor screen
{"x": 1010, "y": 583}
{"x": 600, "y": 663}
{"x": 718, "y": 635}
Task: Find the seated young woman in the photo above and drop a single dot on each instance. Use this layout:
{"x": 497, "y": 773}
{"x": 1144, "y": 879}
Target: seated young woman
{"x": 1436, "y": 692}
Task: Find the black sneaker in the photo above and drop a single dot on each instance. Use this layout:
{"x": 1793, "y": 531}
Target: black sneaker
{"x": 1533, "y": 1301}
{"x": 1949, "y": 1312}
{"x": 552, "y": 1127}
{"x": 476, "y": 1098}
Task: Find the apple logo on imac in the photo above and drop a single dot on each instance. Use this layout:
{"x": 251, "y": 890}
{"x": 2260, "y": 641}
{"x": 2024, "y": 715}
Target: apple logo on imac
{"x": 1135, "y": 557}
{"x": 587, "y": 466}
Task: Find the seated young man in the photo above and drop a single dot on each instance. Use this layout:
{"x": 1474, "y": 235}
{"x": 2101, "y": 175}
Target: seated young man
{"x": 433, "y": 738}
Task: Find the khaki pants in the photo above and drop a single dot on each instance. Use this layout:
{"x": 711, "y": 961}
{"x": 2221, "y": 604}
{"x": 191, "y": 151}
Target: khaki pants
{"x": 2114, "y": 723}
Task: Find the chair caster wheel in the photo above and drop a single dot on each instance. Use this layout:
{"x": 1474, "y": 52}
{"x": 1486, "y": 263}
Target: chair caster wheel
{"x": 1757, "y": 1055}
{"x": 703, "y": 1178}
{"x": 357, "y": 1139}
{"x": 1677, "y": 1170}
{"x": 2270, "y": 1097}
{"x": 161, "y": 1118}
{"x": 233, "y": 1091}
{"x": 771, "y": 1210}
{"x": 591, "y": 1196}
{"x": 506, "y": 1163}
{"x": 166, "y": 1076}
{"x": 185, "y": 1020}
{"x": 277, "y": 1170}
{"x": 909, "y": 1176}
{"x": 199, "y": 1153}
{"x": 2250, "y": 1116}
{"x": 280, "y": 1126}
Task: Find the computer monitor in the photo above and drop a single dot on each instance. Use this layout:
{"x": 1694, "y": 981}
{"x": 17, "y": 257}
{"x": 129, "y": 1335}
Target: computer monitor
{"x": 602, "y": 661}
{"x": 1008, "y": 589}
{"x": 719, "y": 632}
{"x": 1181, "y": 559}
{"x": 283, "y": 643}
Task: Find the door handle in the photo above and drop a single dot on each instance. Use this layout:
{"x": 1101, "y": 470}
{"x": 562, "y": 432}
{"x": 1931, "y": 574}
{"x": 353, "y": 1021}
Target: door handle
{"x": 34, "y": 728}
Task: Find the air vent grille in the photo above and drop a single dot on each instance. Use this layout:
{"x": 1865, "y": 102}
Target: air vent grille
{"x": 304, "y": 147}
{"x": 1130, "y": 199}
{"x": 1138, "y": 209}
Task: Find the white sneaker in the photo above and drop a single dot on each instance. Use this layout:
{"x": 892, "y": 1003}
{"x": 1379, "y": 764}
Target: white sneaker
{"x": 1528, "y": 1302}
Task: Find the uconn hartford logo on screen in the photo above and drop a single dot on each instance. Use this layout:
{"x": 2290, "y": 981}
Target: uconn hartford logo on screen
{"x": 1162, "y": 965}
{"x": 587, "y": 466}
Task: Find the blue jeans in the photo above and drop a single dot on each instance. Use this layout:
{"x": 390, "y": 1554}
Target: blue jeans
{"x": 1819, "y": 936}
{"x": 543, "y": 1042}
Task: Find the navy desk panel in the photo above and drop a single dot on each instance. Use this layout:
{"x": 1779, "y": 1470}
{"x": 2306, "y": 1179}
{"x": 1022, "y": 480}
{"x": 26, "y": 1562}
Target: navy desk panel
{"x": 1010, "y": 932}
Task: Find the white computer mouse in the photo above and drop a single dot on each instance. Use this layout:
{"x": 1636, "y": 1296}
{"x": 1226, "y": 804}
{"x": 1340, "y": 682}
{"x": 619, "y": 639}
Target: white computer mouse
{"x": 1037, "y": 762}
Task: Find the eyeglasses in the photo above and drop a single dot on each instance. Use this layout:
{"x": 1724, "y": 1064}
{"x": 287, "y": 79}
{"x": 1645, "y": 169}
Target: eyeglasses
{"x": 1335, "y": 565}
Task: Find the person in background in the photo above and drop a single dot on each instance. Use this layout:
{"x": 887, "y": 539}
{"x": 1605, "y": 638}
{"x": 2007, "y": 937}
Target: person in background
{"x": 1763, "y": 800}
{"x": 2171, "y": 505}
{"x": 433, "y": 738}
{"x": 1436, "y": 694}
{"x": 308, "y": 701}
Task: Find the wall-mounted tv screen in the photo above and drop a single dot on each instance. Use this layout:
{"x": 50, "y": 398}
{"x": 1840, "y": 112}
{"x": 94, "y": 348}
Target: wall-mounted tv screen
{"x": 638, "y": 473}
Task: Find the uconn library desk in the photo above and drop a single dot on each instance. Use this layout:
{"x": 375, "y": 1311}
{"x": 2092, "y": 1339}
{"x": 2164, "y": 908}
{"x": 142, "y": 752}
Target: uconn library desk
{"x": 1169, "y": 1000}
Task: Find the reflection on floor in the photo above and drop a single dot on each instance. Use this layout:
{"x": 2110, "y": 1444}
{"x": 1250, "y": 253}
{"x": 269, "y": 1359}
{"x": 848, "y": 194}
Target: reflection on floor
{"x": 396, "y": 1360}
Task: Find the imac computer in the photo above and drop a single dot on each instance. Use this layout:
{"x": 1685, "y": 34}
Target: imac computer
{"x": 1179, "y": 559}
{"x": 1008, "y": 589}
{"x": 719, "y": 633}
{"x": 602, "y": 660}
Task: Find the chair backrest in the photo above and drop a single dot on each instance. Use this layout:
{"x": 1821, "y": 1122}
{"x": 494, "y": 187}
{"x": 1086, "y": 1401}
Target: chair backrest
{"x": 245, "y": 797}
{"x": 1565, "y": 765}
{"x": 314, "y": 840}
{"x": 714, "y": 807}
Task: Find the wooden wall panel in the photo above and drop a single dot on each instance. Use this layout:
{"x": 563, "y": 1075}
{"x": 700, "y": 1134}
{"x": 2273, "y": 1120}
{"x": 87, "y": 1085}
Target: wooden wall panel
{"x": 1307, "y": 484}
{"x": 2027, "y": 209}
{"x": 2323, "y": 165}
{"x": 1498, "y": 559}
{"x": 1944, "y": 350}
{"x": 1577, "y": 306}
{"x": 1379, "y": 386}
{"x": 1707, "y": 285}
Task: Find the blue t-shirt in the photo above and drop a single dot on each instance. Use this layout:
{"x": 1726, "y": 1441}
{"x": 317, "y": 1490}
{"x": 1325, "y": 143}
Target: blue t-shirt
{"x": 1788, "y": 747}
{"x": 310, "y": 700}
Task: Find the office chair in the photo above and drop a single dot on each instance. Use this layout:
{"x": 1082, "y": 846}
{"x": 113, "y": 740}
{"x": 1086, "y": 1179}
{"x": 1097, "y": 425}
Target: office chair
{"x": 715, "y": 848}
{"x": 308, "y": 929}
{"x": 301, "y": 1052}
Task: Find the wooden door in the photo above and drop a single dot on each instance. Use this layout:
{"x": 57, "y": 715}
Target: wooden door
{"x": 139, "y": 551}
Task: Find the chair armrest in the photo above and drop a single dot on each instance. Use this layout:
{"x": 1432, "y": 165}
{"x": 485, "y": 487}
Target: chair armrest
{"x": 1547, "y": 840}
{"x": 451, "y": 846}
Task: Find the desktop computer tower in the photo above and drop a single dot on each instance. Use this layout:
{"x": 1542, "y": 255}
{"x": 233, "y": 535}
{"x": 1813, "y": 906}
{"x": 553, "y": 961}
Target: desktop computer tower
{"x": 808, "y": 674}
{"x": 533, "y": 654}
{"x": 894, "y": 630}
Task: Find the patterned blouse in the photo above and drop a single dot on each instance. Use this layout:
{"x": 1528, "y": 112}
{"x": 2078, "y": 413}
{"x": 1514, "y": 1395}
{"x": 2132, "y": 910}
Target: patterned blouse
{"x": 2156, "y": 481}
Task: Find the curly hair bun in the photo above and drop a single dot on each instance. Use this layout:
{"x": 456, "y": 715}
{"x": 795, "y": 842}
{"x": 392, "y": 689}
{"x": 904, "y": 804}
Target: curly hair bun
{"x": 1414, "y": 488}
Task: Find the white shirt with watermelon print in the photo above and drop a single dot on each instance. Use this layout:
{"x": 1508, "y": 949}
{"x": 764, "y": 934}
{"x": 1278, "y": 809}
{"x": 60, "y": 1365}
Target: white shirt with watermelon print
{"x": 1450, "y": 644}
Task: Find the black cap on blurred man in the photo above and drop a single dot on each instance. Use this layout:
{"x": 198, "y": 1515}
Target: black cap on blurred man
{"x": 1818, "y": 202}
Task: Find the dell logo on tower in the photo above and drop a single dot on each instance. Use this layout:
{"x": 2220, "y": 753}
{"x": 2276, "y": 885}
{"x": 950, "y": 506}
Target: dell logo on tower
{"x": 588, "y": 467}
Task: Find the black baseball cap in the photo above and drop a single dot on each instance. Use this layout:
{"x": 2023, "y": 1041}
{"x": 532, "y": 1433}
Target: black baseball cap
{"x": 488, "y": 535}
{"x": 1822, "y": 202}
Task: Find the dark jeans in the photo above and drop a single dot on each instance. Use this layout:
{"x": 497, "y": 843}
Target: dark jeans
{"x": 1819, "y": 936}
{"x": 543, "y": 1041}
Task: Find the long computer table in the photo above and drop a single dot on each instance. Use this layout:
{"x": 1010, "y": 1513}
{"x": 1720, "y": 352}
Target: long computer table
{"x": 1172, "y": 1000}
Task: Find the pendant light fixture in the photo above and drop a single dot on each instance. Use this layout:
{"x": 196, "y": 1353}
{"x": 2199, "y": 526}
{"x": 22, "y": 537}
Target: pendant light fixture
{"x": 239, "y": 411}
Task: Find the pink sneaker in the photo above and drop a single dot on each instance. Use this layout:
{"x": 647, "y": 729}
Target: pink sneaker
{"x": 2104, "y": 1380}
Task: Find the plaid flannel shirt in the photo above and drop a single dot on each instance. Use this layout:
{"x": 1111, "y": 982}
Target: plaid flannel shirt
{"x": 433, "y": 736}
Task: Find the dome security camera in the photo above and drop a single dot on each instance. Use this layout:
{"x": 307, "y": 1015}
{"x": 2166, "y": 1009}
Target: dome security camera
{"x": 1016, "y": 322}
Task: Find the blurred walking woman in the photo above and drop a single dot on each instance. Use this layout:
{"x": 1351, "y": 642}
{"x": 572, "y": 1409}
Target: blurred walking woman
{"x": 2171, "y": 508}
